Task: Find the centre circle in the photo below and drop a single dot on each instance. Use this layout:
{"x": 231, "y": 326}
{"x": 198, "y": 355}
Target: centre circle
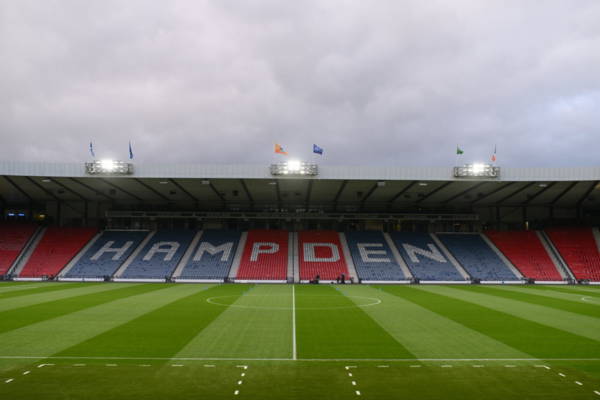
{"x": 219, "y": 301}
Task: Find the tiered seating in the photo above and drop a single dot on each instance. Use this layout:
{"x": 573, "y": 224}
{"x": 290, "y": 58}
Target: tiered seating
{"x": 372, "y": 257}
{"x": 526, "y": 252}
{"x": 160, "y": 255}
{"x": 13, "y": 238}
{"x": 474, "y": 254}
{"x": 578, "y": 248}
{"x": 425, "y": 260}
{"x": 107, "y": 254}
{"x": 321, "y": 254}
{"x": 265, "y": 256}
{"x": 56, "y": 248}
{"x": 212, "y": 257}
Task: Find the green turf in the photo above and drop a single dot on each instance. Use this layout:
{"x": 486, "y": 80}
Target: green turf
{"x": 136, "y": 341}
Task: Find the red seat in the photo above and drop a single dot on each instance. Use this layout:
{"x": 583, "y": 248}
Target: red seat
{"x": 578, "y": 248}
{"x": 56, "y": 248}
{"x": 526, "y": 252}
{"x": 316, "y": 262}
{"x": 268, "y": 262}
{"x": 13, "y": 238}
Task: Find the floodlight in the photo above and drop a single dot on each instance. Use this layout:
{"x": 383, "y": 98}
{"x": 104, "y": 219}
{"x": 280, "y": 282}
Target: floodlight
{"x": 294, "y": 165}
{"x": 109, "y": 167}
{"x": 477, "y": 170}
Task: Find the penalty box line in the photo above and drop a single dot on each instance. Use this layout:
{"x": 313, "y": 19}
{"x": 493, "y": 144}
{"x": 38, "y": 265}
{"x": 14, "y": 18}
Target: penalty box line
{"x": 289, "y": 359}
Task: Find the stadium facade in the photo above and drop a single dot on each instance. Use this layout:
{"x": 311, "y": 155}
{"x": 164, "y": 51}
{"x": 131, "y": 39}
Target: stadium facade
{"x": 247, "y": 223}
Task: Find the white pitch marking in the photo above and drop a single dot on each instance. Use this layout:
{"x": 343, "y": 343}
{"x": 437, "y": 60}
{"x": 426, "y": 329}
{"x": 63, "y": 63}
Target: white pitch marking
{"x": 383, "y": 366}
{"x": 9, "y": 380}
{"x": 294, "y": 348}
{"x": 353, "y": 383}
{"x": 243, "y": 374}
{"x": 111, "y": 365}
{"x": 579, "y": 383}
{"x": 176, "y": 365}
{"x": 446, "y": 366}
{"x": 79, "y": 365}
{"x": 242, "y": 366}
{"x": 144, "y": 365}
{"x": 477, "y": 366}
{"x": 510, "y": 366}
{"x": 26, "y": 372}
{"x": 415, "y": 366}
{"x": 358, "y": 393}
{"x": 239, "y": 382}
{"x": 236, "y": 392}
{"x": 43, "y": 365}
{"x": 597, "y": 392}
{"x": 209, "y": 365}
{"x": 349, "y": 373}
{"x": 561, "y": 374}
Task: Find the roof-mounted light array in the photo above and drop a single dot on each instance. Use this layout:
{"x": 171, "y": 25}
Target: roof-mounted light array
{"x": 295, "y": 168}
{"x": 109, "y": 167}
{"x": 477, "y": 170}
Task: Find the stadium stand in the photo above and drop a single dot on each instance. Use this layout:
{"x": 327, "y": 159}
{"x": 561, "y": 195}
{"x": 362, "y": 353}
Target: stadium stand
{"x": 526, "y": 252}
{"x": 107, "y": 253}
{"x": 159, "y": 257}
{"x": 321, "y": 254}
{"x": 424, "y": 258}
{"x": 212, "y": 257}
{"x": 56, "y": 248}
{"x": 476, "y": 257}
{"x": 265, "y": 256}
{"x": 577, "y": 246}
{"x": 373, "y": 258}
{"x": 13, "y": 237}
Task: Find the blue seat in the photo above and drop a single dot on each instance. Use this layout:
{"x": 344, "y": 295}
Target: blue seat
{"x": 213, "y": 256}
{"x": 474, "y": 254}
{"x": 160, "y": 255}
{"x": 424, "y": 258}
{"x": 107, "y": 254}
{"x": 372, "y": 257}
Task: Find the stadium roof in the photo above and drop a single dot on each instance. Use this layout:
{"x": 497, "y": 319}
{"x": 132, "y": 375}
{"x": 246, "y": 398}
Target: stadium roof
{"x": 355, "y": 188}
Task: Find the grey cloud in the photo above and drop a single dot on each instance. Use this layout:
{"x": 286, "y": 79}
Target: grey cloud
{"x": 374, "y": 83}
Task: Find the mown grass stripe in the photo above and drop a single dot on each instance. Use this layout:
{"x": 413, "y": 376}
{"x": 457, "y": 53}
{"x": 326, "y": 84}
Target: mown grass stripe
{"x": 519, "y": 332}
{"x": 574, "y": 290}
{"x": 586, "y": 315}
{"x": 329, "y": 325}
{"x": 24, "y": 316}
{"x": 7, "y": 291}
{"x": 162, "y": 332}
{"x": 66, "y": 291}
{"x": 53, "y": 336}
{"x": 257, "y": 325}
{"x": 425, "y": 333}
{"x": 550, "y": 298}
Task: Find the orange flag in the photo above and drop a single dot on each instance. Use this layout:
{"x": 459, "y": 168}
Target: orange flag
{"x": 279, "y": 149}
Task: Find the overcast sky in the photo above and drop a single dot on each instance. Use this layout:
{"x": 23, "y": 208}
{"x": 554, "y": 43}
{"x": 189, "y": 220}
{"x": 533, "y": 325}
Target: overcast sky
{"x": 372, "y": 82}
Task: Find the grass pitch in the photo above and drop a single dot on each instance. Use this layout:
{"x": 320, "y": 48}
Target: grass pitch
{"x": 132, "y": 341}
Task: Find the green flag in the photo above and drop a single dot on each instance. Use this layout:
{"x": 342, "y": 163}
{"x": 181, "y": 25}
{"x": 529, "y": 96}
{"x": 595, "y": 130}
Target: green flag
{"x": 459, "y": 151}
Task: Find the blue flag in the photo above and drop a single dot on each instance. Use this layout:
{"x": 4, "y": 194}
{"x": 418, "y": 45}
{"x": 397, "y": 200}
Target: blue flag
{"x": 130, "y": 151}
{"x": 92, "y": 150}
{"x": 317, "y": 149}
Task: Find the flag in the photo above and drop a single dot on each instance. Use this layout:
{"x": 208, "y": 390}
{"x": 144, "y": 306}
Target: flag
{"x": 317, "y": 149}
{"x": 279, "y": 149}
{"x": 130, "y": 151}
{"x": 494, "y": 155}
{"x": 92, "y": 150}
{"x": 459, "y": 150}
